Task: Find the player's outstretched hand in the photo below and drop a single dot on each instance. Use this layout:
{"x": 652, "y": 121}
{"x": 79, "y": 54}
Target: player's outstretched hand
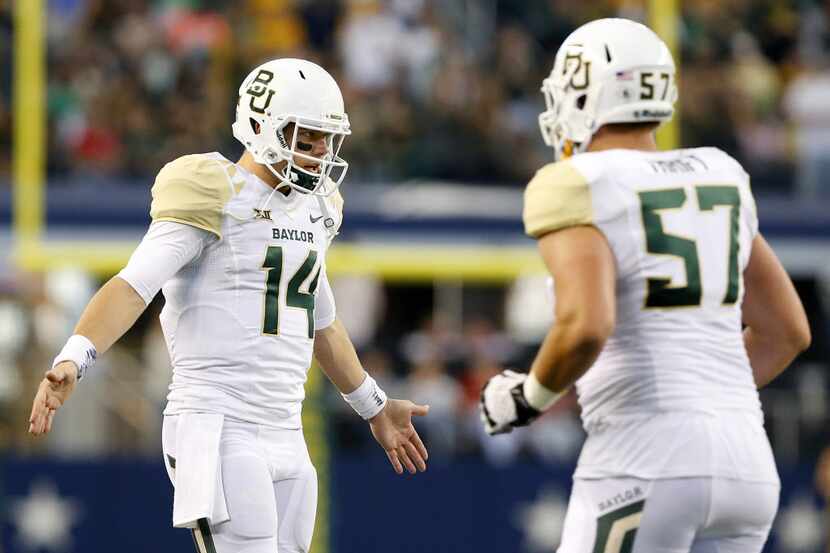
{"x": 393, "y": 430}
{"x": 54, "y": 390}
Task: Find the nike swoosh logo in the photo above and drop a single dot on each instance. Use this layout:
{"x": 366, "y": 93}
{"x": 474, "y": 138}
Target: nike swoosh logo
{"x": 314, "y": 219}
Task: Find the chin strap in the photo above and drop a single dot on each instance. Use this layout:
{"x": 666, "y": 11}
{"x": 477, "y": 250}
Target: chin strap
{"x": 303, "y": 180}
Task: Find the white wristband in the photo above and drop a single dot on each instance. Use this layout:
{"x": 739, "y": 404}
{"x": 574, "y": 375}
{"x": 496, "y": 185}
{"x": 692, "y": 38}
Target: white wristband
{"x": 81, "y": 351}
{"x": 538, "y": 396}
{"x": 368, "y": 399}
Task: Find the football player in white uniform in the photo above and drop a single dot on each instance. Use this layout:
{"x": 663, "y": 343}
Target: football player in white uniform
{"x": 670, "y": 312}
{"x": 239, "y": 250}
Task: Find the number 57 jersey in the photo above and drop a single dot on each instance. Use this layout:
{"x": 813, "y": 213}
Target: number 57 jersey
{"x": 240, "y": 317}
{"x": 672, "y": 393}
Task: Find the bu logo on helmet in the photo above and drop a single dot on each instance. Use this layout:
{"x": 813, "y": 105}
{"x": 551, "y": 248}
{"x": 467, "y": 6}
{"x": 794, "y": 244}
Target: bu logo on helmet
{"x": 258, "y": 88}
{"x": 577, "y": 82}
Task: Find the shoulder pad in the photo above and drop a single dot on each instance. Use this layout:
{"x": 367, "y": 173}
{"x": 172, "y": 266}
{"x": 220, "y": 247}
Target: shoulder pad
{"x": 337, "y": 202}
{"x": 728, "y": 161}
{"x": 557, "y": 197}
{"x": 334, "y": 206}
{"x": 193, "y": 190}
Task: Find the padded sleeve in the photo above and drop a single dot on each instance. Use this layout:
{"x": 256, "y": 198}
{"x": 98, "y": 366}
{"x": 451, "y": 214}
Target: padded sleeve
{"x": 752, "y": 209}
{"x": 325, "y": 310}
{"x": 164, "y": 250}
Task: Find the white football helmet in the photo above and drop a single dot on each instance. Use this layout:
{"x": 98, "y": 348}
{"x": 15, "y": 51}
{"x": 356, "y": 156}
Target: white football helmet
{"x": 606, "y": 71}
{"x": 295, "y": 91}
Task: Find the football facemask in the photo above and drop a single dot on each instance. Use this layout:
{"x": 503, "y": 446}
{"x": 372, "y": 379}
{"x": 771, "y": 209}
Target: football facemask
{"x": 304, "y": 171}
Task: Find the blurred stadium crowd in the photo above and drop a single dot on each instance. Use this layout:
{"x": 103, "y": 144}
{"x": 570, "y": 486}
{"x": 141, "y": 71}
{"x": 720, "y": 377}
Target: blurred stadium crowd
{"x": 441, "y": 359}
{"x": 434, "y": 90}
{"x": 445, "y": 90}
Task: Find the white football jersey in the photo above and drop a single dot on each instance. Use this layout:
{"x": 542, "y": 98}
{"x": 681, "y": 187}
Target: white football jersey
{"x": 239, "y": 320}
{"x": 680, "y": 225}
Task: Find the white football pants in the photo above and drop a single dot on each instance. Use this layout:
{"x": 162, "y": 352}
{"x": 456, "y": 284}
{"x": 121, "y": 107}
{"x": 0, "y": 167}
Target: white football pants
{"x": 675, "y": 515}
{"x": 270, "y": 489}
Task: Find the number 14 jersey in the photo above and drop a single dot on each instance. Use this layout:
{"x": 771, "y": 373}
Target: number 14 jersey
{"x": 680, "y": 225}
{"x": 239, "y": 319}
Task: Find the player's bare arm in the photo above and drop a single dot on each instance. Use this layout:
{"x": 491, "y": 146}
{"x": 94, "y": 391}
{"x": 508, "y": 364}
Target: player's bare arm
{"x": 582, "y": 266}
{"x": 165, "y": 248}
{"x": 392, "y": 424}
{"x": 776, "y": 325}
{"x": 110, "y": 313}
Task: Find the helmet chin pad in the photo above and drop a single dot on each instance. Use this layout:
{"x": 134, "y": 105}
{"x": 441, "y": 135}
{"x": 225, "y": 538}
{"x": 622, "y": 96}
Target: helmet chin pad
{"x": 302, "y": 179}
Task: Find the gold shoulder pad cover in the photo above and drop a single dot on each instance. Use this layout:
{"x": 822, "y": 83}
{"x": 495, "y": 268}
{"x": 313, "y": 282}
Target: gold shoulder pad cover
{"x": 192, "y": 190}
{"x": 557, "y": 197}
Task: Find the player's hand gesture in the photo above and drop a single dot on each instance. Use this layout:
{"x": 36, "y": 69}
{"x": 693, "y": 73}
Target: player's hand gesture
{"x": 54, "y": 390}
{"x": 393, "y": 430}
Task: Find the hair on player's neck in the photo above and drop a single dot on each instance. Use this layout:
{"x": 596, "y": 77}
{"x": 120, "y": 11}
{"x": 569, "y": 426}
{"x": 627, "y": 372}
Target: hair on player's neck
{"x": 628, "y": 136}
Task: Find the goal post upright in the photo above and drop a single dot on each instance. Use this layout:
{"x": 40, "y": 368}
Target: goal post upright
{"x": 664, "y": 19}
{"x": 29, "y": 113}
